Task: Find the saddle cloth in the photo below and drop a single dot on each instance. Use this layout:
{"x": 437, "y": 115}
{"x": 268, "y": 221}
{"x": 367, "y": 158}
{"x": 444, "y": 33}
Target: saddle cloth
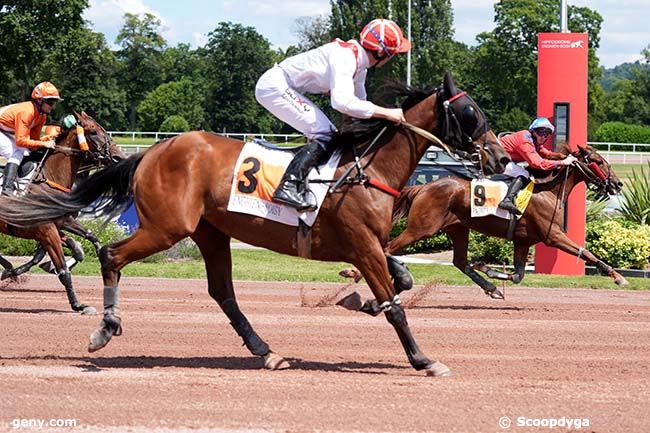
{"x": 258, "y": 173}
{"x": 487, "y": 194}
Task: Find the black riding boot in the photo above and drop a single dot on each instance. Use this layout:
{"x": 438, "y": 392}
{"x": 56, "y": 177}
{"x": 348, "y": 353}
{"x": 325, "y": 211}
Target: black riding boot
{"x": 508, "y": 203}
{"x": 293, "y": 190}
{"x": 11, "y": 171}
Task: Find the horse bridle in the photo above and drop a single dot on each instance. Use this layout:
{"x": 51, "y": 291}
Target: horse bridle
{"x": 454, "y": 128}
{"x": 595, "y": 176}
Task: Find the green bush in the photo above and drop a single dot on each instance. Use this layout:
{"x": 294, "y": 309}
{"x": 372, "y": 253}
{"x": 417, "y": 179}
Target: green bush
{"x": 106, "y": 233}
{"x": 437, "y": 242}
{"x": 619, "y": 132}
{"x": 621, "y": 244}
{"x": 487, "y": 249}
{"x": 174, "y": 123}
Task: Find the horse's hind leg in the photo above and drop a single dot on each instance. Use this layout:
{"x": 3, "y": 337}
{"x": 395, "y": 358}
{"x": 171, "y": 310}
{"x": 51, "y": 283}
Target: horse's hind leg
{"x": 75, "y": 248}
{"x": 215, "y": 248}
{"x": 459, "y": 236}
{"x": 520, "y": 256}
{"x": 143, "y": 243}
{"x": 39, "y": 253}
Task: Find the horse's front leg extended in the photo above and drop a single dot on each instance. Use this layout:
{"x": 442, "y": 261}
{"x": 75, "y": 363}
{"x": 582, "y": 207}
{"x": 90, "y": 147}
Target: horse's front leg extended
{"x": 14, "y": 272}
{"x": 561, "y": 241}
{"x": 374, "y": 268}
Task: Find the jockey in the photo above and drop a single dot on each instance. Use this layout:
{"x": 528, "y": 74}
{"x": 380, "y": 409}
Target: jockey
{"x": 20, "y": 129}
{"x": 528, "y": 145}
{"x": 337, "y": 69}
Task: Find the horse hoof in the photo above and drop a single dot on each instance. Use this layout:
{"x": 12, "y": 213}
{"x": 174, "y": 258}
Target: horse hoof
{"x": 8, "y": 274}
{"x": 88, "y": 310}
{"x": 621, "y": 281}
{"x": 274, "y": 361}
{"x": 438, "y": 369}
{"x": 99, "y": 339}
{"x": 351, "y": 302}
{"x": 495, "y": 294}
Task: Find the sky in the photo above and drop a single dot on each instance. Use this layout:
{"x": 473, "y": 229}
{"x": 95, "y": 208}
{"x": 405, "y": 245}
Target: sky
{"x": 621, "y": 40}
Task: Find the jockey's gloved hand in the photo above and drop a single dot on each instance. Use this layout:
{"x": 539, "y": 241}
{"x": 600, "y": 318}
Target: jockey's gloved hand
{"x": 568, "y": 160}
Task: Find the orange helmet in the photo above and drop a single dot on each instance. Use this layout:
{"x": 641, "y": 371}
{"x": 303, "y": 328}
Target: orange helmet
{"x": 46, "y": 90}
{"x": 385, "y": 36}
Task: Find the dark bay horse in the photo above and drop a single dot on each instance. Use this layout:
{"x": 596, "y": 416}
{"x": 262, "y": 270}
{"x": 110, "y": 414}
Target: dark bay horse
{"x": 181, "y": 188}
{"x": 59, "y": 169}
{"x": 444, "y": 205}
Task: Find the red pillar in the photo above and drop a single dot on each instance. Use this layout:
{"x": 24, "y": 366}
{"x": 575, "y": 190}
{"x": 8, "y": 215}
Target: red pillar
{"x": 562, "y": 89}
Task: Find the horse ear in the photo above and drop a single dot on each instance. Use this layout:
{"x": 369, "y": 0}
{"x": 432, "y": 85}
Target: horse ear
{"x": 449, "y": 86}
{"x": 76, "y": 115}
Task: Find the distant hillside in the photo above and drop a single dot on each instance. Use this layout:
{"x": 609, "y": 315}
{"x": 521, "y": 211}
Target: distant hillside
{"x": 619, "y": 72}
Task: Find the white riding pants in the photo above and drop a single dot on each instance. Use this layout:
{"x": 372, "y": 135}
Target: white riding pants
{"x": 9, "y": 150}
{"x": 514, "y": 170}
{"x": 274, "y": 93}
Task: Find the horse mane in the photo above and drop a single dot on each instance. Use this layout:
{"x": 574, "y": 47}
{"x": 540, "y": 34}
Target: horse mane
{"x": 354, "y": 131}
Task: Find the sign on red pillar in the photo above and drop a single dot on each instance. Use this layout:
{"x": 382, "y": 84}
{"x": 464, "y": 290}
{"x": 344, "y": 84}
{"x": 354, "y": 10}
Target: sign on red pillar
{"x": 562, "y": 97}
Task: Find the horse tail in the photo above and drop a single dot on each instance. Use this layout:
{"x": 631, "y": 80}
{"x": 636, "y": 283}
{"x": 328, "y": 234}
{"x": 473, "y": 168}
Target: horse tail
{"x": 105, "y": 193}
{"x": 404, "y": 201}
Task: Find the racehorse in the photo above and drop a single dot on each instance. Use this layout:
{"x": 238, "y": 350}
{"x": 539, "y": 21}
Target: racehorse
{"x": 181, "y": 187}
{"x": 58, "y": 169}
{"x": 445, "y": 205}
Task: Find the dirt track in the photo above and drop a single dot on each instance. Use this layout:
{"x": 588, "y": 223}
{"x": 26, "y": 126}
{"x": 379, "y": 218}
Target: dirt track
{"x": 542, "y": 353}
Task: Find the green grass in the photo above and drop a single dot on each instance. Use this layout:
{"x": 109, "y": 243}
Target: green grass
{"x": 624, "y": 171}
{"x": 262, "y": 265}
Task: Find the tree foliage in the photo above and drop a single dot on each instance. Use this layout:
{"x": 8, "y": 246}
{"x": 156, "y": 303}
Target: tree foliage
{"x": 236, "y": 57}
{"x": 183, "y": 98}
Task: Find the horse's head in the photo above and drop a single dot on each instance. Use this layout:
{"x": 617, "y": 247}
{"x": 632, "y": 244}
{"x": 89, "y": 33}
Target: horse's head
{"x": 597, "y": 171}
{"x": 464, "y": 127}
{"x": 95, "y": 144}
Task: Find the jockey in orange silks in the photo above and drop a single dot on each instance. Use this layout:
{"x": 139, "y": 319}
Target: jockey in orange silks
{"x": 20, "y": 129}
{"x": 337, "y": 69}
{"x": 528, "y": 146}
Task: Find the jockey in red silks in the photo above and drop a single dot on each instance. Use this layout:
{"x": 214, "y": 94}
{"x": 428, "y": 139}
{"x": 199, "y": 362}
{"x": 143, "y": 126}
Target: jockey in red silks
{"x": 528, "y": 145}
{"x": 20, "y": 130}
{"x": 338, "y": 69}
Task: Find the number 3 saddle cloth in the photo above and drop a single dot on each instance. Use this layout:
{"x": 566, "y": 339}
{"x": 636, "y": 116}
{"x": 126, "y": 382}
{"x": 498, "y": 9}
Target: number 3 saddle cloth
{"x": 257, "y": 174}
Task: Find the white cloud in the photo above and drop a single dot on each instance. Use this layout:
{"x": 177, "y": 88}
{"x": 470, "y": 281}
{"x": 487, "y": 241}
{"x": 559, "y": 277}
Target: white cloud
{"x": 107, "y": 16}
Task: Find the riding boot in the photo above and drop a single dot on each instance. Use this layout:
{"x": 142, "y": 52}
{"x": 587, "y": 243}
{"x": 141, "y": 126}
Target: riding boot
{"x": 11, "y": 171}
{"x": 293, "y": 189}
{"x": 508, "y": 203}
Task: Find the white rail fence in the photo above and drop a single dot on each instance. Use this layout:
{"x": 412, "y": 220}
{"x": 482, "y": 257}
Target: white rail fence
{"x": 615, "y": 153}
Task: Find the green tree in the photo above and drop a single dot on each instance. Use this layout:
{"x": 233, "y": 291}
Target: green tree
{"x": 183, "y": 62}
{"x": 236, "y": 57}
{"x": 28, "y": 29}
{"x": 433, "y": 52}
{"x": 183, "y": 98}
{"x": 85, "y": 70}
{"x": 142, "y": 47}
{"x": 510, "y": 50}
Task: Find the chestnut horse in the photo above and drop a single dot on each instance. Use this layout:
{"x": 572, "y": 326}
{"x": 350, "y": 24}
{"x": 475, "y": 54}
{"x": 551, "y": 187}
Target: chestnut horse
{"x": 181, "y": 188}
{"x": 445, "y": 205}
{"x": 58, "y": 169}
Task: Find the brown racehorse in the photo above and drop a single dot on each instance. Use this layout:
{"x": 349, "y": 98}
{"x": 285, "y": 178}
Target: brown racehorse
{"x": 59, "y": 170}
{"x": 181, "y": 188}
{"x": 445, "y": 205}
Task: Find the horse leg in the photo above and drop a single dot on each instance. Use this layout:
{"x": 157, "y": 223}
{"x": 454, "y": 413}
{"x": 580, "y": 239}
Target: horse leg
{"x": 520, "y": 255}
{"x": 142, "y": 243}
{"x": 73, "y": 226}
{"x": 561, "y": 241}
{"x": 374, "y": 268}
{"x": 215, "y": 248}
{"x": 14, "y": 272}
{"x": 77, "y": 251}
{"x": 459, "y": 236}
{"x": 53, "y": 245}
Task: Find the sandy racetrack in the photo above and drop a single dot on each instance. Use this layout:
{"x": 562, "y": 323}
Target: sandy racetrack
{"x": 541, "y": 354}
